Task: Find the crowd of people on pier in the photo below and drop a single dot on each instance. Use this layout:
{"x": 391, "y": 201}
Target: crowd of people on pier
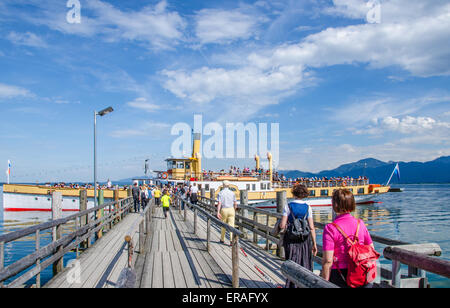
{"x": 296, "y": 229}
{"x": 343, "y": 240}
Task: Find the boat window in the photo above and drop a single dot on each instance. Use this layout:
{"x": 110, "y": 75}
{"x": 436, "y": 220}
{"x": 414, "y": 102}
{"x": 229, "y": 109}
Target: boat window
{"x": 170, "y": 164}
{"x": 187, "y": 165}
{"x": 312, "y": 193}
{"x": 253, "y": 187}
{"x": 207, "y": 187}
{"x": 180, "y": 165}
{"x": 248, "y": 186}
{"x": 360, "y": 190}
{"x": 324, "y": 192}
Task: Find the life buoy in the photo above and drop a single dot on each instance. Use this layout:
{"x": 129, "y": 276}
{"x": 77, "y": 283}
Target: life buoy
{"x": 165, "y": 176}
{"x": 344, "y": 183}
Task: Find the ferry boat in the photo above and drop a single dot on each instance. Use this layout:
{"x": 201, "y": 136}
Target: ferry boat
{"x": 38, "y": 198}
{"x": 260, "y": 185}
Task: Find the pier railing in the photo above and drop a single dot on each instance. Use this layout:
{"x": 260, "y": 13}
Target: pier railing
{"x": 84, "y": 226}
{"x": 418, "y": 258}
{"x": 201, "y": 210}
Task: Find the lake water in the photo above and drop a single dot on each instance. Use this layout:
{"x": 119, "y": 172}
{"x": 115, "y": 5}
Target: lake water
{"x": 420, "y": 214}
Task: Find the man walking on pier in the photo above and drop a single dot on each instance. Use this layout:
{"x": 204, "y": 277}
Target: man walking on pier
{"x": 226, "y": 209}
{"x": 136, "y": 197}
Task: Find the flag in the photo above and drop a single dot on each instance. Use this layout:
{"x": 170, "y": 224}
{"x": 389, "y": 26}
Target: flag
{"x": 397, "y": 171}
{"x": 9, "y": 168}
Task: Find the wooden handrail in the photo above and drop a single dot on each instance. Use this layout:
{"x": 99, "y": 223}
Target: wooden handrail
{"x": 12, "y": 236}
{"x": 58, "y": 248}
{"x": 412, "y": 258}
{"x": 304, "y": 278}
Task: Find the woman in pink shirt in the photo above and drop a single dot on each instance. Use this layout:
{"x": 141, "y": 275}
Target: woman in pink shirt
{"x": 335, "y": 245}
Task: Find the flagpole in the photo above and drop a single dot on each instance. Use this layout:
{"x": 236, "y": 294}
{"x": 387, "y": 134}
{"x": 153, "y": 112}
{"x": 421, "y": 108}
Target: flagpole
{"x": 391, "y": 175}
{"x": 8, "y": 172}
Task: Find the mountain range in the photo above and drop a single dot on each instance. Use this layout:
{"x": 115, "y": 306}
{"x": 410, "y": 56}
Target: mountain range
{"x": 435, "y": 171}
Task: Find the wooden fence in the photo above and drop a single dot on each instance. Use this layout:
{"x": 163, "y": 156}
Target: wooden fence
{"x": 87, "y": 224}
{"x": 418, "y": 258}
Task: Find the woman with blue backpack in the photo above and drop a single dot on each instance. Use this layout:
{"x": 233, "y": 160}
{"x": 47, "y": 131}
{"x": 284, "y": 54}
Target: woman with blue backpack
{"x": 299, "y": 240}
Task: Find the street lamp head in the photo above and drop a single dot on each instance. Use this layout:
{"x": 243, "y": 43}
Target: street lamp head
{"x": 105, "y": 111}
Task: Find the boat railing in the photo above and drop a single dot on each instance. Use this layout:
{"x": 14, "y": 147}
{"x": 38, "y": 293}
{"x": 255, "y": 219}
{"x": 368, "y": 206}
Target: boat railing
{"x": 257, "y": 225}
{"x": 83, "y": 226}
{"x": 214, "y": 176}
{"x": 320, "y": 183}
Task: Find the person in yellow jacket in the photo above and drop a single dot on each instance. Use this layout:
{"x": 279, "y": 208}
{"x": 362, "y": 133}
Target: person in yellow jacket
{"x": 166, "y": 200}
{"x": 157, "y": 194}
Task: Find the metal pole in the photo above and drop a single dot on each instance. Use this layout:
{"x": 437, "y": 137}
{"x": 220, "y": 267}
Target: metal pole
{"x": 95, "y": 158}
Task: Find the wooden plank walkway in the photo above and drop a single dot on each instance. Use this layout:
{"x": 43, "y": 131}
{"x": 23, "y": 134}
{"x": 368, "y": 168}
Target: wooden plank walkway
{"x": 177, "y": 258}
{"x": 101, "y": 265}
{"x": 174, "y": 257}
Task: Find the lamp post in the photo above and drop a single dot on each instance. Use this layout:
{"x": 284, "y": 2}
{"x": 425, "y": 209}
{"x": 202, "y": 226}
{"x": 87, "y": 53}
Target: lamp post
{"x": 100, "y": 113}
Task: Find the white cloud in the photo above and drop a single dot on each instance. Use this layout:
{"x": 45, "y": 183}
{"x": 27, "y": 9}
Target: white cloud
{"x": 239, "y": 93}
{"x": 149, "y": 130}
{"x": 9, "y": 91}
{"x": 410, "y": 124}
{"x": 414, "y": 41}
{"x": 27, "y": 39}
{"x": 363, "y": 111}
{"x": 355, "y": 9}
{"x": 222, "y": 26}
{"x": 154, "y": 25}
{"x": 142, "y": 104}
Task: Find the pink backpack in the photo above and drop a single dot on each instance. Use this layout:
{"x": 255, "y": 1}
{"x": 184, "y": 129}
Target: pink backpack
{"x": 362, "y": 268}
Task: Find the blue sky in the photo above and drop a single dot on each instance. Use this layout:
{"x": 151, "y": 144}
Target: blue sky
{"x": 341, "y": 86}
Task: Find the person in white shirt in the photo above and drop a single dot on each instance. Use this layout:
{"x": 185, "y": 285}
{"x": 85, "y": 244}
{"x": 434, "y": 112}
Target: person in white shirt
{"x": 226, "y": 208}
{"x": 194, "y": 192}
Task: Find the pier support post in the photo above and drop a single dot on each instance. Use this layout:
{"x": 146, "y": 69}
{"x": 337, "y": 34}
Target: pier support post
{"x": 57, "y": 231}
{"x": 212, "y": 204}
{"x": 116, "y": 204}
{"x": 235, "y": 261}
{"x": 195, "y": 220}
{"x": 243, "y": 200}
{"x": 100, "y": 201}
{"x": 2, "y": 258}
{"x": 208, "y": 235}
{"x": 281, "y": 203}
{"x": 85, "y": 219}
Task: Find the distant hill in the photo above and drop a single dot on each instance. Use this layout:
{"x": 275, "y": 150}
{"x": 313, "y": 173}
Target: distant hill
{"x": 436, "y": 171}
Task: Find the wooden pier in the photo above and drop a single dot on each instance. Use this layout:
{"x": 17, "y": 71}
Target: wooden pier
{"x": 117, "y": 248}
